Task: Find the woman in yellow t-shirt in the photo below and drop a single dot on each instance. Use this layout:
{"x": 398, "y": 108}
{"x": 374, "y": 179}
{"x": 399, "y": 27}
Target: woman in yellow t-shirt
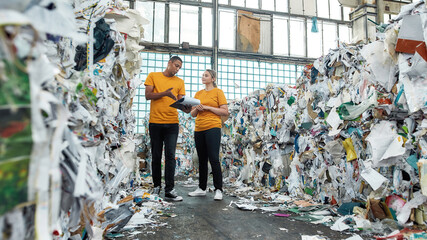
{"x": 207, "y": 134}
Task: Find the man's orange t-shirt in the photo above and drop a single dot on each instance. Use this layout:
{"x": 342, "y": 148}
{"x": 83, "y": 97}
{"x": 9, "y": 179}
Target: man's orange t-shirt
{"x": 160, "y": 110}
{"x": 206, "y": 120}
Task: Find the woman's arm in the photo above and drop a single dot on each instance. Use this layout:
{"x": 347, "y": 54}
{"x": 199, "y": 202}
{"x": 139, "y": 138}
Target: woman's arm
{"x": 221, "y": 111}
{"x": 194, "y": 111}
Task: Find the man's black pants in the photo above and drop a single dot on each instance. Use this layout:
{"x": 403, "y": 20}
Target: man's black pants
{"x": 167, "y": 134}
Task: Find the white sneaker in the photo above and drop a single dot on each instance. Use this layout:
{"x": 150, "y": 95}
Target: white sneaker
{"x": 218, "y": 195}
{"x": 197, "y": 193}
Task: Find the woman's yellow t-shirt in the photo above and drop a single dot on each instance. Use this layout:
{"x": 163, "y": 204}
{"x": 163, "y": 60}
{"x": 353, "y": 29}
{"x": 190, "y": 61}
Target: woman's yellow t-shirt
{"x": 206, "y": 120}
{"x": 160, "y": 110}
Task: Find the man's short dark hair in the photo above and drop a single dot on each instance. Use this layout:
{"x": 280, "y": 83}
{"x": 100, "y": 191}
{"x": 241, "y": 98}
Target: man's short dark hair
{"x": 174, "y": 58}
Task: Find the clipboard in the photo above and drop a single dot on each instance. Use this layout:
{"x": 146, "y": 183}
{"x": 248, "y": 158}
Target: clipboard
{"x": 185, "y": 101}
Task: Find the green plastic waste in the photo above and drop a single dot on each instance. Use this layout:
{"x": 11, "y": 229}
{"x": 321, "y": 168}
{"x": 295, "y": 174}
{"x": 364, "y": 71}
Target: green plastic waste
{"x": 309, "y": 191}
{"x": 350, "y": 111}
{"x": 291, "y": 100}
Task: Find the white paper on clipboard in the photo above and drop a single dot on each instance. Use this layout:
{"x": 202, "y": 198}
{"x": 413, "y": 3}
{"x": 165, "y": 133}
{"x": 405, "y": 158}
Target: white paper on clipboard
{"x": 185, "y": 101}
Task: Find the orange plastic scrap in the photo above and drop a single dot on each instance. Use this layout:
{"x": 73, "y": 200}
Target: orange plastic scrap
{"x": 333, "y": 201}
{"x": 410, "y": 34}
{"x": 384, "y": 101}
{"x": 307, "y": 70}
{"x": 422, "y": 50}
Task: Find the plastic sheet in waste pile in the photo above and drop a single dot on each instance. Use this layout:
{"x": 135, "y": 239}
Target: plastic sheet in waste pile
{"x": 354, "y": 136}
{"x": 67, "y": 90}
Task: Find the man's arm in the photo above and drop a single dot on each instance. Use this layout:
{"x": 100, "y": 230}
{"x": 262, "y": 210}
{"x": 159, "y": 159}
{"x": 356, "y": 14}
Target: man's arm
{"x": 151, "y": 95}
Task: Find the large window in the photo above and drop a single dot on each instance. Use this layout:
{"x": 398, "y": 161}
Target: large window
{"x": 281, "y": 40}
{"x": 329, "y": 36}
{"x": 335, "y": 10}
{"x": 159, "y": 23}
{"x": 314, "y": 38}
{"x": 323, "y": 8}
{"x": 189, "y": 24}
{"x": 252, "y": 4}
{"x": 207, "y": 27}
{"x": 146, "y": 9}
{"x": 297, "y": 36}
{"x": 240, "y": 3}
{"x": 282, "y": 6}
{"x": 227, "y": 29}
{"x": 267, "y": 5}
{"x": 174, "y": 10}
{"x": 296, "y": 7}
{"x": 277, "y": 28}
{"x": 236, "y": 77}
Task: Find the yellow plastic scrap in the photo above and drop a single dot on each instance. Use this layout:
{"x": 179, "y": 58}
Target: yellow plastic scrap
{"x": 402, "y": 140}
{"x": 349, "y": 148}
{"x": 278, "y": 184}
{"x": 281, "y": 90}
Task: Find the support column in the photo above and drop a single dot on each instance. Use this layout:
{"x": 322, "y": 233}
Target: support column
{"x": 363, "y": 20}
{"x": 215, "y": 41}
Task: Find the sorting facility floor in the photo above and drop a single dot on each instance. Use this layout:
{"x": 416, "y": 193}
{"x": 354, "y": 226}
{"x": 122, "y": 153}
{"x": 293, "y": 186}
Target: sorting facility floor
{"x": 204, "y": 218}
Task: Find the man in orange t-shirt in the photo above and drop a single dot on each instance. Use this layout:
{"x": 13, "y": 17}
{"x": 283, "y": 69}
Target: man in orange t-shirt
{"x": 163, "y": 89}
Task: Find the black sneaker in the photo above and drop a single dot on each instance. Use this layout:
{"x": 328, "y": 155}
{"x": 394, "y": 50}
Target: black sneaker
{"x": 172, "y": 196}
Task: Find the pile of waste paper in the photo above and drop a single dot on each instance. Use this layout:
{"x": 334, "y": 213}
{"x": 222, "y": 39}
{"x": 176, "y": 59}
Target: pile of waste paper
{"x": 69, "y": 72}
{"x": 352, "y": 134}
{"x": 257, "y": 140}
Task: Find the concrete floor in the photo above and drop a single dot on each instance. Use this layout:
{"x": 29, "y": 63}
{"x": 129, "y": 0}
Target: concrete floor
{"x": 204, "y": 218}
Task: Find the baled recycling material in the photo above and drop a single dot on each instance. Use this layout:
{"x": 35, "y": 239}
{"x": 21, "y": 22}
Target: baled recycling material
{"x": 67, "y": 126}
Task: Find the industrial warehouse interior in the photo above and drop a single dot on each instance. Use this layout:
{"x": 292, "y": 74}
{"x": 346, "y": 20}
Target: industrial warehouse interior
{"x": 213, "y": 119}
